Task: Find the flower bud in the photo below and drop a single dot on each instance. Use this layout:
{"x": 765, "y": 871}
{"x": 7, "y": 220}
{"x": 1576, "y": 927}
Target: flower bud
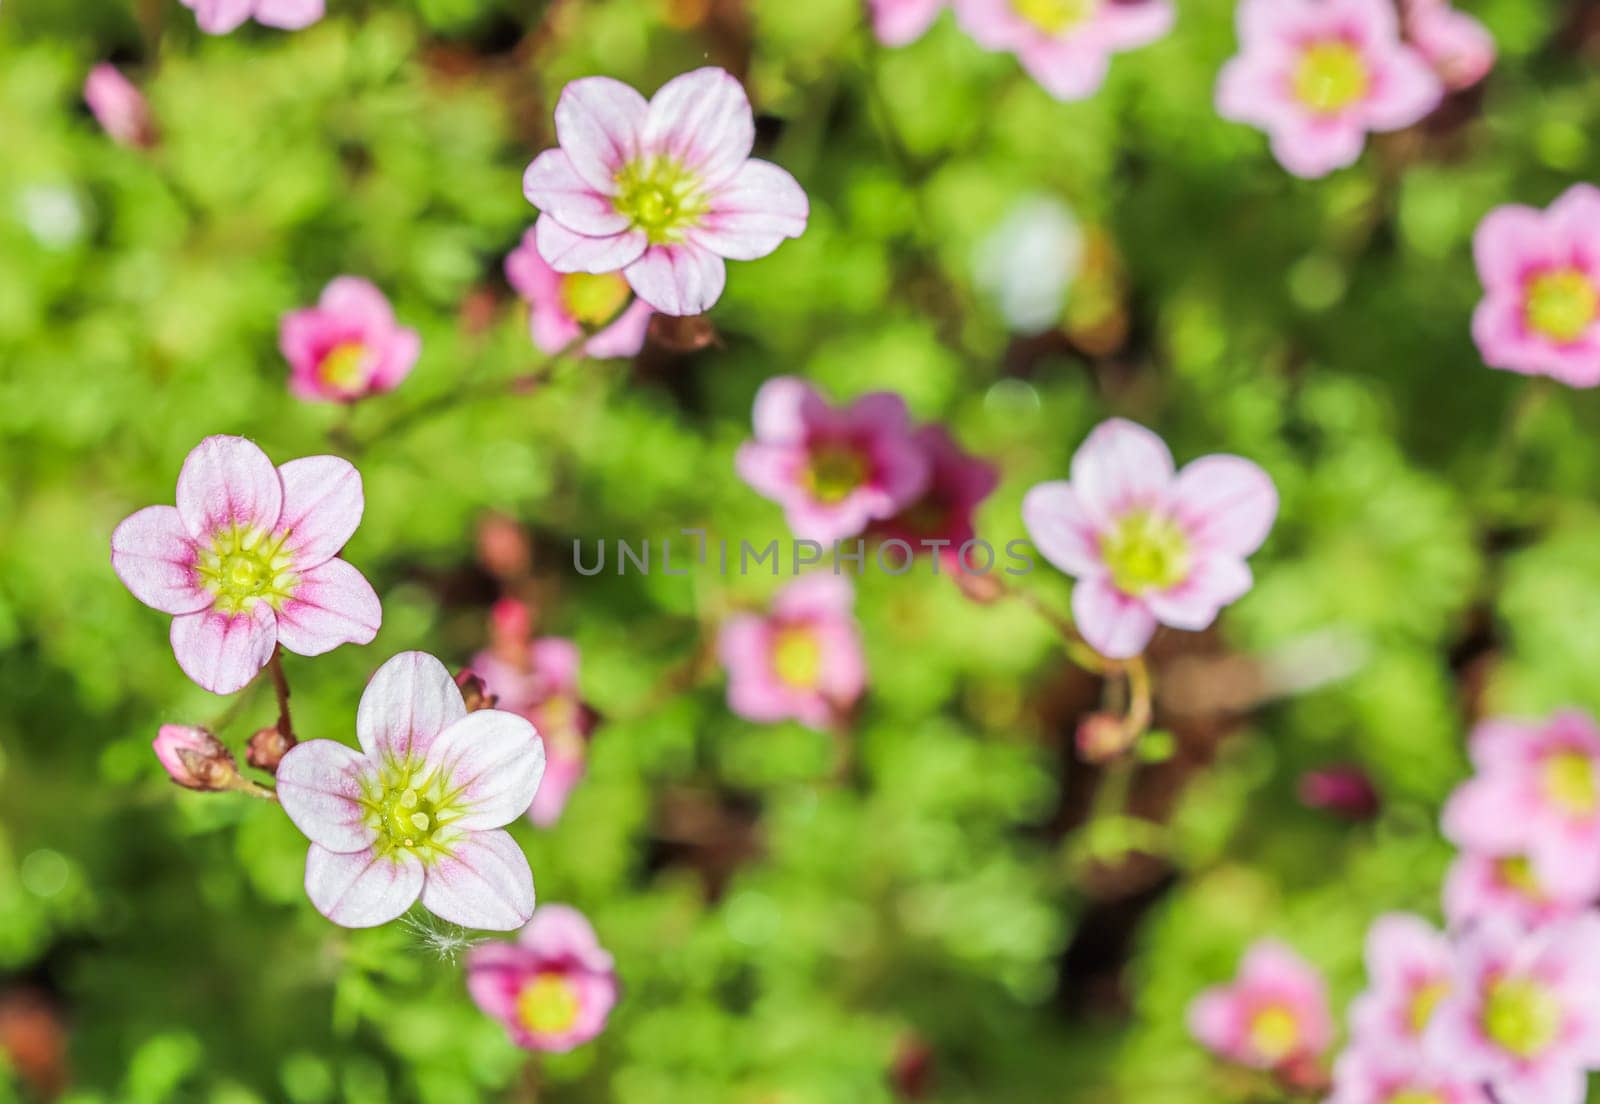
{"x": 474, "y": 692}
{"x": 682, "y": 335}
{"x": 1344, "y": 791}
{"x": 267, "y": 748}
{"x": 982, "y": 589}
{"x": 1103, "y": 737}
{"x": 195, "y": 759}
{"x": 503, "y": 547}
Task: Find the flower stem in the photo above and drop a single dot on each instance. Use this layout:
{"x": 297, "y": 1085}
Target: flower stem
{"x": 280, "y": 683}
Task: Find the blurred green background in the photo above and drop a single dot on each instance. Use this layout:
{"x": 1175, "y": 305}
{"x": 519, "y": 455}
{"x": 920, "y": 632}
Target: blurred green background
{"x": 939, "y": 924}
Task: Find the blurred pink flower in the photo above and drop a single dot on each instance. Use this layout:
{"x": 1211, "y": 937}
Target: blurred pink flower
{"x": 1346, "y": 791}
{"x": 348, "y": 346}
{"x": 222, "y": 16}
{"x": 118, "y": 106}
{"x": 249, "y": 560}
{"x": 553, "y": 988}
{"x": 1460, "y": 49}
{"x": 800, "y": 661}
{"x": 958, "y": 482}
{"x": 562, "y": 306}
{"x": 194, "y": 758}
{"x": 417, "y": 812}
{"x": 1273, "y": 1014}
{"x": 1409, "y": 972}
{"x": 832, "y": 469}
{"x": 1536, "y": 793}
{"x": 661, "y": 191}
{"x": 1065, "y": 45}
{"x": 1540, "y": 313}
{"x": 1480, "y": 887}
{"x": 1146, "y": 545}
{"x": 1317, "y": 75}
{"x": 899, "y": 22}
{"x": 1398, "y": 1075}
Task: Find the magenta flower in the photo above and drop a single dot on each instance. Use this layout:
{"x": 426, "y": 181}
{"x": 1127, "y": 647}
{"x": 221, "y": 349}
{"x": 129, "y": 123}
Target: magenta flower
{"x": 900, "y": 22}
{"x": 222, "y": 16}
{"x": 564, "y": 306}
{"x": 832, "y": 469}
{"x": 553, "y": 988}
{"x": 1145, "y": 545}
{"x": 249, "y": 559}
{"x": 1460, "y": 49}
{"x": 348, "y": 346}
{"x": 1409, "y": 972}
{"x": 661, "y": 191}
{"x": 1480, "y": 887}
{"x": 958, "y": 482}
{"x": 1274, "y": 1013}
{"x": 119, "y": 107}
{"x": 1540, "y": 313}
{"x": 417, "y": 812}
{"x": 1065, "y": 45}
{"x": 1398, "y": 1075}
{"x": 1524, "y": 1014}
{"x": 801, "y": 661}
{"x": 1536, "y": 793}
{"x": 1317, "y": 75}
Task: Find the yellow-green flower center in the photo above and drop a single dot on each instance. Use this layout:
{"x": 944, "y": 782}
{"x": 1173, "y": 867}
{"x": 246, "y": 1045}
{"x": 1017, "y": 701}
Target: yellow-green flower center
{"x": 1415, "y": 1096}
{"x": 661, "y": 197}
{"x": 1330, "y": 77}
{"x": 245, "y": 565}
{"x": 1424, "y": 1003}
{"x": 1516, "y": 872}
{"x": 1521, "y": 1015}
{"x": 1561, "y": 305}
{"x": 593, "y": 300}
{"x": 1274, "y": 1032}
{"x": 1569, "y": 782}
{"x": 1054, "y": 16}
{"x": 797, "y": 657}
{"x": 410, "y": 810}
{"x": 1146, "y": 552}
{"x": 345, "y": 366}
{"x": 834, "y": 473}
{"x": 548, "y": 1005}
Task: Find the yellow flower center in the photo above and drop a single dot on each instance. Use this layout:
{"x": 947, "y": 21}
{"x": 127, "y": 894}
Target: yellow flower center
{"x": 246, "y": 565}
{"x": 1561, "y": 305}
{"x": 1424, "y": 1003}
{"x": 410, "y": 811}
{"x": 660, "y": 197}
{"x": 1054, "y": 16}
{"x": 1274, "y": 1033}
{"x": 1415, "y": 1096}
{"x": 835, "y": 473}
{"x": 797, "y": 657}
{"x": 1522, "y": 1016}
{"x": 1146, "y": 552}
{"x": 1330, "y": 77}
{"x": 548, "y": 1005}
{"x": 594, "y": 300}
{"x": 1569, "y": 782}
{"x": 345, "y": 366}
{"x": 1516, "y": 872}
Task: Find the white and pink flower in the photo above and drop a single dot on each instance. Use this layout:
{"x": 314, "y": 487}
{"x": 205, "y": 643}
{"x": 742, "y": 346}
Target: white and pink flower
{"x": 1273, "y": 1014}
{"x": 1540, "y": 313}
{"x": 1066, "y": 45}
{"x": 348, "y": 346}
{"x": 563, "y": 306}
{"x": 1409, "y": 972}
{"x": 800, "y": 661}
{"x": 1318, "y": 75}
{"x": 1399, "y": 1075}
{"x": 553, "y": 988}
{"x": 1480, "y": 887}
{"x": 1149, "y": 546}
{"x": 900, "y": 22}
{"x": 249, "y": 559}
{"x": 118, "y": 106}
{"x": 222, "y": 16}
{"x": 1460, "y": 49}
{"x": 661, "y": 191}
{"x": 418, "y": 812}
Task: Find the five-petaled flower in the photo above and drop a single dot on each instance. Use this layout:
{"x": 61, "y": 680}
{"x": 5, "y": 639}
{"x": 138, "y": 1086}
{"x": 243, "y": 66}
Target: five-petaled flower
{"x": 1367, "y": 1074}
{"x": 1409, "y": 972}
{"x": 1540, "y": 314}
{"x": 660, "y": 191}
{"x": 222, "y": 16}
{"x": 419, "y": 810}
{"x": 1065, "y": 45}
{"x": 1145, "y": 545}
{"x": 553, "y": 988}
{"x": 1317, "y": 75}
{"x": 800, "y": 661}
{"x": 248, "y": 559}
{"x": 1274, "y": 1013}
{"x": 348, "y": 346}
{"x": 1479, "y": 886}
{"x": 563, "y": 306}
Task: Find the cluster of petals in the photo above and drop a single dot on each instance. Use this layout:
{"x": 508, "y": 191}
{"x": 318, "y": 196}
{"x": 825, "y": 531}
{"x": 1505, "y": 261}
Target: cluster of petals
{"x": 348, "y": 346}
{"x": 942, "y": 515}
{"x": 801, "y": 660}
{"x": 118, "y": 106}
{"x": 1271, "y": 1016}
{"x": 417, "y": 812}
{"x": 661, "y": 191}
{"x": 1146, "y": 544}
{"x": 553, "y": 988}
{"x": 222, "y": 16}
{"x": 1460, "y": 49}
{"x": 564, "y": 306}
{"x": 248, "y": 560}
{"x": 1066, "y": 45}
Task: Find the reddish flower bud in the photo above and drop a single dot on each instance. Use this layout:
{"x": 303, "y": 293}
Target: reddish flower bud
{"x": 195, "y": 759}
{"x": 682, "y": 335}
{"x": 267, "y": 748}
{"x": 911, "y": 1075}
{"x": 510, "y": 626}
{"x": 1103, "y": 737}
{"x": 473, "y": 691}
{"x": 1342, "y": 790}
{"x": 503, "y": 547}
{"x": 982, "y": 589}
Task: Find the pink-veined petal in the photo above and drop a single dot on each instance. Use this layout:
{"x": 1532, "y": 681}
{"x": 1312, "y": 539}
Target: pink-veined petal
{"x": 153, "y": 555}
{"x": 677, "y": 279}
{"x": 495, "y": 760}
{"x": 332, "y": 604}
{"x": 228, "y": 481}
{"x": 221, "y": 652}
{"x": 1060, "y": 528}
{"x": 319, "y": 786}
{"x": 322, "y": 506}
{"x": 702, "y": 119}
{"x": 484, "y": 882}
{"x": 362, "y": 889}
{"x": 598, "y": 121}
{"x": 552, "y": 184}
{"x": 754, "y": 212}
{"x": 566, "y": 251}
{"x": 1216, "y": 581}
{"x": 289, "y": 15}
{"x": 1121, "y": 466}
{"x": 1226, "y": 503}
{"x": 1116, "y": 626}
{"x": 409, "y": 701}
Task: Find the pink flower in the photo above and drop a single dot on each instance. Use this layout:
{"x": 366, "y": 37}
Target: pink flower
{"x": 1536, "y": 793}
{"x": 1145, "y": 545}
{"x": 194, "y": 758}
{"x": 1273, "y": 1014}
{"x": 1317, "y": 75}
{"x": 661, "y": 191}
{"x": 1460, "y": 49}
{"x": 1540, "y": 313}
{"x": 417, "y": 812}
{"x": 1391, "y": 1075}
{"x": 1524, "y": 1014}
{"x": 1065, "y": 45}
{"x": 1480, "y": 886}
{"x": 899, "y": 22}
{"x": 222, "y": 16}
{"x": 553, "y": 988}
{"x": 249, "y": 560}
{"x": 832, "y": 469}
{"x": 1409, "y": 972}
{"x": 957, "y": 483}
{"x": 1343, "y": 790}
{"x": 562, "y": 307}
{"x": 348, "y": 346}
{"x": 118, "y": 106}
{"x": 801, "y": 661}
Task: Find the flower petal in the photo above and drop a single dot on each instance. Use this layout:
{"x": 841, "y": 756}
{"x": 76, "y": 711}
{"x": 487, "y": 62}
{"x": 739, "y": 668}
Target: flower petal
{"x": 566, "y": 251}
{"x": 333, "y": 604}
{"x": 1508, "y": 242}
{"x": 220, "y": 16}
{"x": 1116, "y": 626}
{"x": 598, "y": 121}
{"x": 495, "y": 760}
{"x": 561, "y": 931}
{"x": 152, "y": 554}
{"x": 409, "y": 701}
{"x": 320, "y": 788}
{"x": 1405, "y": 88}
{"x": 753, "y": 212}
{"x": 289, "y": 15}
{"x": 485, "y": 882}
{"x": 1060, "y": 529}
{"x": 322, "y": 506}
{"x": 1216, "y": 581}
{"x": 624, "y": 337}
{"x": 677, "y": 279}
{"x": 552, "y": 184}
{"x": 359, "y": 301}
{"x": 1226, "y": 503}
{"x": 702, "y": 119}
{"x": 362, "y": 889}
{"x": 228, "y": 481}
{"x": 1121, "y": 466}
{"x": 782, "y": 409}
{"x": 221, "y": 652}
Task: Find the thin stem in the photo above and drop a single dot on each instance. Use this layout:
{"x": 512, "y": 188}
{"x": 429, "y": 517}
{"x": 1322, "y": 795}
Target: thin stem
{"x": 1140, "y": 705}
{"x": 280, "y": 683}
{"x": 254, "y": 789}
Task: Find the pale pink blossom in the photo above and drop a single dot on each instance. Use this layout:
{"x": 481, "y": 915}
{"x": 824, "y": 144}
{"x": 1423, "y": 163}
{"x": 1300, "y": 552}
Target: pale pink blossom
{"x": 348, "y": 346}
{"x": 1148, "y": 545}
{"x": 1480, "y": 887}
{"x": 801, "y": 660}
{"x": 417, "y": 813}
{"x": 1460, "y": 49}
{"x": 1318, "y": 75}
{"x": 562, "y": 307}
{"x": 899, "y": 22}
{"x": 1273, "y": 1014}
{"x": 941, "y": 516}
{"x": 222, "y": 16}
{"x": 832, "y": 469}
{"x": 118, "y": 106}
{"x": 1400, "y": 1075}
{"x": 553, "y": 988}
{"x": 1409, "y": 972}
{"x": 1065, "y": 45}
{"x": 660, "y": 191}
{"x": 1540, "y": 313}
{"x": 249, "y": 559}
